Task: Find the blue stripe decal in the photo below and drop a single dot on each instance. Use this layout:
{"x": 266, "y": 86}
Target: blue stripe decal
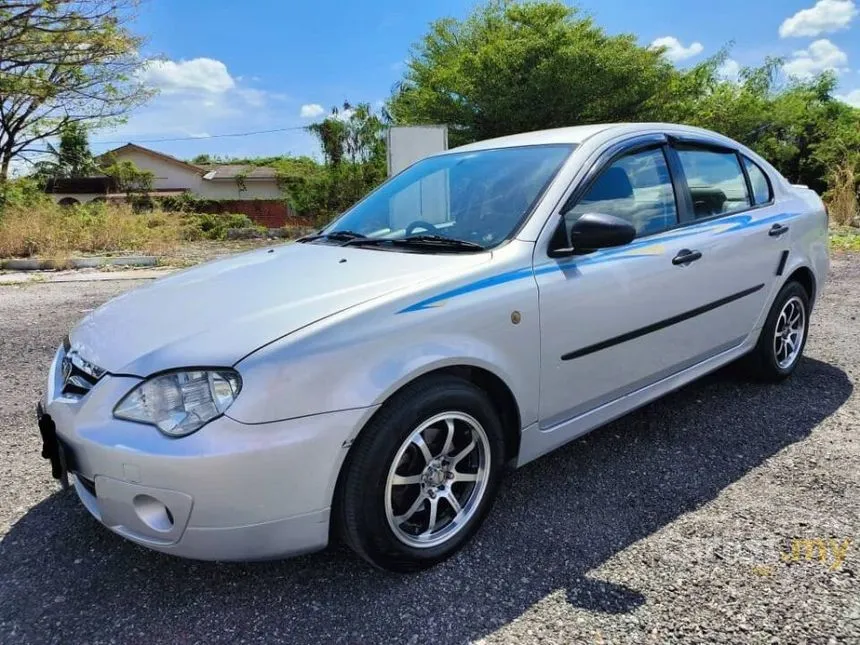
{"x": 527, "y": 272}
{"x": 654, "y": 244}
{"x": 502, "y": 278}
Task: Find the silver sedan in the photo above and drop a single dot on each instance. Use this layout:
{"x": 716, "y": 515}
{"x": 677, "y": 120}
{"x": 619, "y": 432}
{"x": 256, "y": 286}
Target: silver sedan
{"x": 483, "y": 307}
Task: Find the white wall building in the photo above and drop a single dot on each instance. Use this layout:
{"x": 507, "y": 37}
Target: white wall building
{"x": 174, "y": 176}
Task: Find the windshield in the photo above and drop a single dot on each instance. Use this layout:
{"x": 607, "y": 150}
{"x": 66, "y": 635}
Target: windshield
{"x": 478, "y": 199}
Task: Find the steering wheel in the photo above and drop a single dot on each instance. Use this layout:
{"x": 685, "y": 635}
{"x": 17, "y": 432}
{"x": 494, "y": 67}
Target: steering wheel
{"x": 427, "y": 226}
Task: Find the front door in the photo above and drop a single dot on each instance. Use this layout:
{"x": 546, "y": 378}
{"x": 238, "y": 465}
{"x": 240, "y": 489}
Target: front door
{"x": 618, "y": 319}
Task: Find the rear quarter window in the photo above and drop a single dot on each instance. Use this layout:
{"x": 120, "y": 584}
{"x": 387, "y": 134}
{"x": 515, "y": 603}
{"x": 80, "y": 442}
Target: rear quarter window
{"x": 762, "y": 191}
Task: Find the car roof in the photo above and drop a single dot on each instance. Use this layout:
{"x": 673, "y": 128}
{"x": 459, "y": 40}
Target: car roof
{"x": 578, "y": 134}
{"x": 574, "y": 134}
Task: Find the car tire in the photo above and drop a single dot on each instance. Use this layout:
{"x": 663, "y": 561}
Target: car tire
{"x": 384, "y": 503}
{"x": 780, "y": 344}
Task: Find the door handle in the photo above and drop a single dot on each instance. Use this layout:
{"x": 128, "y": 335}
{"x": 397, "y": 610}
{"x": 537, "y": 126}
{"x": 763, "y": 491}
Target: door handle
{"x": 685, "y": 256}
{"x": 777, "y": 229}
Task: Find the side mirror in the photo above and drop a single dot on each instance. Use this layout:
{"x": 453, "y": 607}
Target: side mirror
{"x": 597, "y": 231}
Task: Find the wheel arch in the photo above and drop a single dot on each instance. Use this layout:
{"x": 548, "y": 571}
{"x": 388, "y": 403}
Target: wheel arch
{"x": 500, "y": 395}
{"x": 803, "y": 275}
{"x": 497, "y": 389}
{"x": 499, "y": 392}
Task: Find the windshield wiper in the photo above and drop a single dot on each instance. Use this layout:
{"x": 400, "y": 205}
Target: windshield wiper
{"x": 340, "y": 236}
{"x": 442, "y": 240}
{"x": 421, "y": 241}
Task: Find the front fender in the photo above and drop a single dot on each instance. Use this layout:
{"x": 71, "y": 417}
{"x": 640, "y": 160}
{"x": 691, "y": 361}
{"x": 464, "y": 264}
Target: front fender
{"x": 359, "y": 358}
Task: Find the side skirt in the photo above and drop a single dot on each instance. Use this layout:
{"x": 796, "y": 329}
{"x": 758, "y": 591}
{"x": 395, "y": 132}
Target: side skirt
{"x": 537, "y": 442}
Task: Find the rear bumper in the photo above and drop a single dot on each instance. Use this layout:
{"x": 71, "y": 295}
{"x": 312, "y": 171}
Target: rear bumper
{"x": 230, "y": 491}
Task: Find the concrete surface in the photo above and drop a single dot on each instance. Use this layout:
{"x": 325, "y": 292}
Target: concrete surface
{"x": 81, "y": 275}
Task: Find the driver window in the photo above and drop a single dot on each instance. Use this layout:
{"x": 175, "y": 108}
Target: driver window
{"x": 637, "y": 188}
{"x": 426, "y": 200}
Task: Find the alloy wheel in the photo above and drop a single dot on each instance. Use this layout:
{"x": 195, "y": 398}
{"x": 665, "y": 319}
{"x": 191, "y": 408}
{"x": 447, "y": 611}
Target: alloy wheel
{"x": 437, "y": 479}
{"x": 789, "y": 332}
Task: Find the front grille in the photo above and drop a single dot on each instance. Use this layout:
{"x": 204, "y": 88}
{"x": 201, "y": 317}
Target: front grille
{"x": 79, "y": 375}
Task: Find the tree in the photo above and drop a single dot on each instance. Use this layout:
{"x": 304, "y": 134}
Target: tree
{"x": 128, "y": 177}
{"x": 352, "y": 145}
{"x": 72, "y": 158}
{"x": 796, "y": 125}
{"x": 516, "y": 67}
{"x": 353, "y": 133}
{"x": 512, "y": 67}
{"x": 331, "y": 134}
{"x": 64, "y": 62}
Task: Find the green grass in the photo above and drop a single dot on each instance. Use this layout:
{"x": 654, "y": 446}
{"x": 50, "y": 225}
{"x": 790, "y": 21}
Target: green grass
{"x": 845, "y": 239}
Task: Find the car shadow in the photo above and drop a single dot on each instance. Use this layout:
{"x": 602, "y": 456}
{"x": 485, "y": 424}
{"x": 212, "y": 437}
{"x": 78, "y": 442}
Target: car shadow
{"x": 65, "y": 578}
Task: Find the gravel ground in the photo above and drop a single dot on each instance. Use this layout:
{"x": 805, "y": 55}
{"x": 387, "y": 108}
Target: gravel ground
{"x": 666, "y": 526}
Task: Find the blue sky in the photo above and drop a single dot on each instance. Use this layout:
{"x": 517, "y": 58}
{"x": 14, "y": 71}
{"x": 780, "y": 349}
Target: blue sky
{"x": 266, "y": 64}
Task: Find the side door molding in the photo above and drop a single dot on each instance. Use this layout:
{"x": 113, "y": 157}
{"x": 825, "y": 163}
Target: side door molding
{"x": 662, "y": 324}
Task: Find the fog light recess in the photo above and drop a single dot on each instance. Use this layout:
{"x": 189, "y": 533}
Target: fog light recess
{"x": 153, "y": 513}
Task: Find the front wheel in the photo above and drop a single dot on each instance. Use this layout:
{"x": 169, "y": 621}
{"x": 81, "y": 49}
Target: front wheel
{"x": 783, "y": 335}
{"x": 422, "y": 476}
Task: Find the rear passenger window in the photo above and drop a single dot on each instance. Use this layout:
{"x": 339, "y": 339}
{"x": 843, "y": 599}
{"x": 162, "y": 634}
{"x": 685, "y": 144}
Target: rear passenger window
{"x": 637, "y": 188}
{"x": 760, "y": 185}
{"x": 716, "y": 181}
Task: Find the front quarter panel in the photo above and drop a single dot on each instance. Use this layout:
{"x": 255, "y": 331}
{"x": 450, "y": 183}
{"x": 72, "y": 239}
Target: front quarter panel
{"x": 360, "y": 357}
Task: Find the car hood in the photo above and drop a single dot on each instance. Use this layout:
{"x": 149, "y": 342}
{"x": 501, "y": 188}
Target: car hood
{"x": 217, "y": 313}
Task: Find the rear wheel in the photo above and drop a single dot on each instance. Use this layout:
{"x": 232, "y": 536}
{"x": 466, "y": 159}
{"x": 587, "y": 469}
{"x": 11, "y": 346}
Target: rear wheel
{"x": 422, "y": 476}
{"x": 783, "y": 335}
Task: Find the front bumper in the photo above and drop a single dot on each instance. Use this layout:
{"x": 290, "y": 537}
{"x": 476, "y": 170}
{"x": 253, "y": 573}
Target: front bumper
{"x": 230, "y": 491}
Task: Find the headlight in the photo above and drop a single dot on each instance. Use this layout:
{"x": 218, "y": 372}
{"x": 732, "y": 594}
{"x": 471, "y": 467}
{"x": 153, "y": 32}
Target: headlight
{"x": 178, "y": 403}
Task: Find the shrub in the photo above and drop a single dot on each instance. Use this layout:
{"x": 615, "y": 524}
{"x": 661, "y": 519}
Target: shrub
{"x": 187, "y": 203}
{"x": 253, "y": 233}
{"x": 25, "y": 191}
{"x": 208, "y": 226}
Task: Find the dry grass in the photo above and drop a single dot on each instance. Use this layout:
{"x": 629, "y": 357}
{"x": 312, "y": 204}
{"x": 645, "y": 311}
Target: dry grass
{"x": 48, "y": 230}
{"x": 842, "y": 203}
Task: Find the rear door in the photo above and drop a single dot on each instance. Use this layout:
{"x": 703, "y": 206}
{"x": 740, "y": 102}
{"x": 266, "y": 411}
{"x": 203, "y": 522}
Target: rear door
{"x": 731, "y": 220}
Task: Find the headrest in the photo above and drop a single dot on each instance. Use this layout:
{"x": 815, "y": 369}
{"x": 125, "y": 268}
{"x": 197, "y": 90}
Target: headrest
{"x": 612, "y": 184}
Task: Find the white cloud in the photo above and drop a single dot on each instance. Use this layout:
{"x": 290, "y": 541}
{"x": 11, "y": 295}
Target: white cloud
{"x": 196, "y": 75}
{"x": 253, "y": 97}
{"x": 198, "y": 97}
{"x": 852, "y": 98}
{"x": 825, "y": 17}
{"x": 729, "y": 70}
{"x": 311, "y": 110}
{"x": 821, "y": 56}
{"x": 675, "y": 51}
